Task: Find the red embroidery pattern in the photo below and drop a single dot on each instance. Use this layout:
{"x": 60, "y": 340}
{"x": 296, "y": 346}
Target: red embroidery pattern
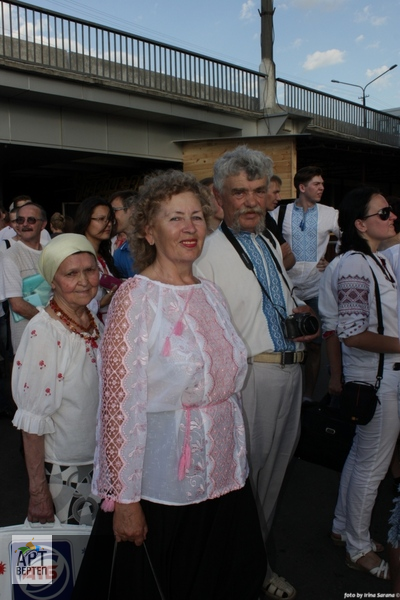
{"x": 113, "y": 418}
{"x": 211, "y": 433}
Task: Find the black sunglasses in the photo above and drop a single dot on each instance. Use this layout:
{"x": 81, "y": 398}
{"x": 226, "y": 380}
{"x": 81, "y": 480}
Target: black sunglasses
{"x": 30, "y": 220}
{"x": 383, "y": 214}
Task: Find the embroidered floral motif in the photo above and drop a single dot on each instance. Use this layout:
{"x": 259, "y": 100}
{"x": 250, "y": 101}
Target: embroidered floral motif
{"x": 42, "y": 364}
{"x": 33, "y": 333}
{"x": 60, "y": 376}
{"x": 47, "y": 392}
{"x": 195, "y": 384}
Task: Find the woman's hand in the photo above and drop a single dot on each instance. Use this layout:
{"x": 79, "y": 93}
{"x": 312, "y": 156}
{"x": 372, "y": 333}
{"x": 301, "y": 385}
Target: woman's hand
{"x": 335, "y": 386}
{"x": 304, "y": 308}
{"x": 106, "y": 299}
{"x": 40, "y": 507}
{"x": 129, "y": 523}
{"x": 322, "y": 264}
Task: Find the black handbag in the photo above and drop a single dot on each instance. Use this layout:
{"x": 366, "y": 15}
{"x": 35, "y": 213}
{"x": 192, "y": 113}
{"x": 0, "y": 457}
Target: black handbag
{"x": 325, "y": 437}
{"x": 359, "y": 399}
{"x": 358, "y": 402}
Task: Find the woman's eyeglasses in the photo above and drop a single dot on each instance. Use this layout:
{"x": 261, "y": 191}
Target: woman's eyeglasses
{"x": 383, "y": 214}
{"x": 29, "y": 220}
{"x": 102, "y": 220}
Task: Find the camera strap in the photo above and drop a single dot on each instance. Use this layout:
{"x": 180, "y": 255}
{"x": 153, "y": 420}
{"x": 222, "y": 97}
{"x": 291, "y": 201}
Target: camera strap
{"x": 278, "y": 266}
{"x": 248, "y": 263}
{"x": 247, "y": 260}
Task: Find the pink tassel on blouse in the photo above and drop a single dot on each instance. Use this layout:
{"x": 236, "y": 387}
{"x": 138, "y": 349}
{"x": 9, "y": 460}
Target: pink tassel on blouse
{"x": 177, "y": 330}
{"x": 186, "y": 456}
{"x": 108, "y": 505}
{"x": 166, "y": 351}
{"x": 184, "y": 462}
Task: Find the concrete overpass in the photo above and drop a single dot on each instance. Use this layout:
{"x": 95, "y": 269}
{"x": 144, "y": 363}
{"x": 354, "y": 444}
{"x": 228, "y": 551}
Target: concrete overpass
{"x": 68, "y": 131}
{"x": 87, "y": 110}
{"x": 84, "y": 109}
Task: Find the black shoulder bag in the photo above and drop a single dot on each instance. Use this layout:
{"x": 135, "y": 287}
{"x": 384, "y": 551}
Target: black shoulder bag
{"x": 359, "y": 399}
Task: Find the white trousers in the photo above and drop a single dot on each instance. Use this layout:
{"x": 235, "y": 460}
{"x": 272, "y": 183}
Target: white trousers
{"x": 366, "y": 466}
{"x": 272, "y": 402}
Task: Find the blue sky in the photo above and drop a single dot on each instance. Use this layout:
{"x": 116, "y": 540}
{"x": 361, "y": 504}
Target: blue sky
{"x": 315, "y": 40}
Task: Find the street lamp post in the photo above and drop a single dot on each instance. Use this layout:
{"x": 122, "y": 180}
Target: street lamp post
{"x": 364, "y": 97}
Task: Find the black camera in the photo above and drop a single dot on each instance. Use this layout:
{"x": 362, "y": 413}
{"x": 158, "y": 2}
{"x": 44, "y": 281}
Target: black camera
{"x": 300, "y": 324}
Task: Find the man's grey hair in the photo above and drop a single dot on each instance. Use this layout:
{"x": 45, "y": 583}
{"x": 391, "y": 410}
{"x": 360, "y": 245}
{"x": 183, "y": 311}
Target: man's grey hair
{"x": 43, "y": 214}
{"x": 254, "y": 163}
{"x": 128, "y": 197}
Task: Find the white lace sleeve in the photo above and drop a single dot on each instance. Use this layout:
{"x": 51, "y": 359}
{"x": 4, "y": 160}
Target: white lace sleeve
{"x": 121, "y": 434}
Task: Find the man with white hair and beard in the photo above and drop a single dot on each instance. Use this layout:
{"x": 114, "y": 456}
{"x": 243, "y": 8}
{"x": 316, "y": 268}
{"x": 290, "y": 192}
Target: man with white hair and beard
{"x": 250, "y": 271}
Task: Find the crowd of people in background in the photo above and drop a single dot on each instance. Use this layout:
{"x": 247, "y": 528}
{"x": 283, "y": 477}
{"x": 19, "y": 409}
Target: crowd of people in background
{"x": 163, "y": 342}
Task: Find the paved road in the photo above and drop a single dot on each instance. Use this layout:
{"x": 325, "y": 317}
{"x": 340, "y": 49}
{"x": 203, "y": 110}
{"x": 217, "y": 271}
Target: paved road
{"x": 304, "y": 552}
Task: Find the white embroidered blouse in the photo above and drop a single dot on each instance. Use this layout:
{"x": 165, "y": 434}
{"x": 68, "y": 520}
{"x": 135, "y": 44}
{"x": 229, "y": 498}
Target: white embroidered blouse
{"x": 170, "y": 428}
{"x": 353, "y": 286}
{"x": 55, "y": 387}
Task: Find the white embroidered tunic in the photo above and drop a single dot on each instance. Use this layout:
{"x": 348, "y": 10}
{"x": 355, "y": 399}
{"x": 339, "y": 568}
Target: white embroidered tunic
{"x": 55, "y": 386}
{"x": 170, "y": 427}
{"x": 354, "y": 288}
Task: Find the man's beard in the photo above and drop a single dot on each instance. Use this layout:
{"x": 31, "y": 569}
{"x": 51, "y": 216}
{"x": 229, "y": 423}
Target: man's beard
{"x": 259, "y": 228}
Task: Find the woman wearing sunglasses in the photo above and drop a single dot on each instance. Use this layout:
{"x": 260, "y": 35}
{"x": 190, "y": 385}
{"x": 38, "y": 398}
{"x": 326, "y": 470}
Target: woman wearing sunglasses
{"x": 366, "y": 220}
{"x": 94, "y": 220}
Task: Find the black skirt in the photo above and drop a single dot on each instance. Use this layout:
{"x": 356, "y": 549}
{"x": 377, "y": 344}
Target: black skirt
{"x": 207, "y": 551}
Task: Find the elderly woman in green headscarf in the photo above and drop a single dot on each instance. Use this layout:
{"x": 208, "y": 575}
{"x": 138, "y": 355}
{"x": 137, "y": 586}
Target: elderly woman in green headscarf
{"x": 55, "y": 386}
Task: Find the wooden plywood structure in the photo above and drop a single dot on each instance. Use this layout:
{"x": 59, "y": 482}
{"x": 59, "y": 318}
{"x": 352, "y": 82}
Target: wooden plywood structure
{"x": 199, "y": 157}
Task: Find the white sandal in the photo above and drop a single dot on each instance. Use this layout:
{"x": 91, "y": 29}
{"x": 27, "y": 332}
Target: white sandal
{"x": 381, "y": 571}
{"x": 277, "y": 587}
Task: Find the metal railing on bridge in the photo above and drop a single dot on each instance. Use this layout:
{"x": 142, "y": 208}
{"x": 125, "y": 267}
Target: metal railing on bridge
{"x": 51, "y": 40}
{"x": 342, "y": 116}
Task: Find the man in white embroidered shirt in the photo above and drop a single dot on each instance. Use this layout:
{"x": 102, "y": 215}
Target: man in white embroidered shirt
{"x": 306, "y": 226}
{"x": 259, "y": 301}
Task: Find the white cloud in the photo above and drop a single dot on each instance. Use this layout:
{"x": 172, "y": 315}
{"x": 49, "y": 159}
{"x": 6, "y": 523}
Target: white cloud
{"x": 363, "y": 15}
{"x": 297, "y": 43}
{"x": 359, "y": 39}
{"x": 366, "y": 15}
{"x": 378, "y": 21}
{"x": 371, "y": 73}
{"x": 247, "y": 10}
{"x": 374, "y": 45}
{"x": 318, "y": 59}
